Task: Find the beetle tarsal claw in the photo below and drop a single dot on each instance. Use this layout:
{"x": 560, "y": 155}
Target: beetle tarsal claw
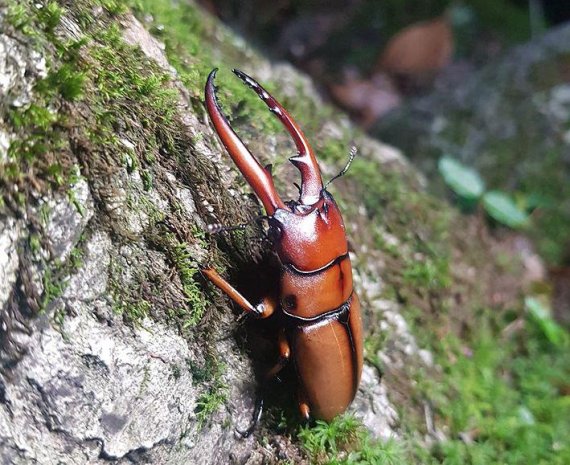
{"x": 258, "y": 410}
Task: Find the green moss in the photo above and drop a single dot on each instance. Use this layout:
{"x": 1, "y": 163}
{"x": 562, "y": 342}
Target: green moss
{"x": 45, "y": 17}
{"x": 134, "y": 311}
{"x": 55, "y": 278}
{"x": 144, "y": 295}
{"x": 49, "y": 15}
{"x": 67, "y": 81}
{"x": 53, "y": 285}
{"x": 114, "y": 7}
{"x": 146, "y": 177}
{"x": 209, "y": 403}
{"x": 17, "y": 16}
{"x": 208, "y": 374}
{"x": 124, "y": 80}
{"x": 345, "y": 441}
{"x": 187, "y": 269}
{"x": 335, "y": 151}
{"x": 194, "y": 61}
{"x": 420, "y": 222}
{"x": 431, "y": 274}
{"x": 504, "y": 396}
{"x": 128, "y": 294}
{"x": 39, "y": 153}
{"x": 121, "y": 95}
{"x": 181, "y": 28}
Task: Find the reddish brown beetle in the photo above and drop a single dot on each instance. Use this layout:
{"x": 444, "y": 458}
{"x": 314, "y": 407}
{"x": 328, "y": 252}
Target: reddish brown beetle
{"x": 321, "y": 331}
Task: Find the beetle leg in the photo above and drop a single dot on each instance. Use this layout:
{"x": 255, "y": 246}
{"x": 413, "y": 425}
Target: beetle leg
{"x": 304, "y": 405}
{"x": 254, "y": 420}
{"x": 284, "y": 356}
{"x": 258, "y": 177}
{"x": 305, "y": 160}
{"x": 262, "y": 310}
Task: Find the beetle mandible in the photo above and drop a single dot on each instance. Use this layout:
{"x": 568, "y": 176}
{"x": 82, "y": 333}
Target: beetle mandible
{"x": 321, "y": 328}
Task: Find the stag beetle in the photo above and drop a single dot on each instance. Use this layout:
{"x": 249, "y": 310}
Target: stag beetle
{"x": 321, "y": 330}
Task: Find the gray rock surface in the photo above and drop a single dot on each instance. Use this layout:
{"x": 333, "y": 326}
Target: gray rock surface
{"x": 99, "y": 390}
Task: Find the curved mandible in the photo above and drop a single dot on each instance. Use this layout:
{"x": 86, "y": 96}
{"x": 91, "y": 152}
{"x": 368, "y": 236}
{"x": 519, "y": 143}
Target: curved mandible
{"x": 305, "y": 160}
{"x": 258, "y": 177}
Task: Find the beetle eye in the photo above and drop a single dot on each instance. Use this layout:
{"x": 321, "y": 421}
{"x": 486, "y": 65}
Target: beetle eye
{"x": 274, "y": 232}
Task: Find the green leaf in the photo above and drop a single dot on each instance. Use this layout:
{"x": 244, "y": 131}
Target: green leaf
{"x": 540, "y": 314}
{"x": 462, "y": 180}
{"x": 502, "y": 208}
{"x": 525, "y": 416}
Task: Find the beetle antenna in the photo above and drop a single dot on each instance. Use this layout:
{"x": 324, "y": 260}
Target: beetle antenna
{"x": 217, "y": 228}
{"x": 351, "y": 157}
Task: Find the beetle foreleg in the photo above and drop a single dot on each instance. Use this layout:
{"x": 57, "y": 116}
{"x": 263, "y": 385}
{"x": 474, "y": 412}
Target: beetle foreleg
{"x": 254, "y": 420}
{"x": 284, "y": 356}
{"x": 262, "y": 310}
{"x": 217, "y": 228}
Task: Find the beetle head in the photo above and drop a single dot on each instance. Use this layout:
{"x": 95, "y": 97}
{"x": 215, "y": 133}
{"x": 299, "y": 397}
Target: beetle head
{"x": 308, "y": 237}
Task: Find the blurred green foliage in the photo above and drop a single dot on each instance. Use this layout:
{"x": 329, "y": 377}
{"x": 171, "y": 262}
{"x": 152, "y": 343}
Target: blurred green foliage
{"x": 470, "y": 188}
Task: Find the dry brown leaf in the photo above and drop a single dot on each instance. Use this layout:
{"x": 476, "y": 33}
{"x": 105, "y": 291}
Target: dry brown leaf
{"x": 421, "y": 48}
{"x": 366, "y": 99}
